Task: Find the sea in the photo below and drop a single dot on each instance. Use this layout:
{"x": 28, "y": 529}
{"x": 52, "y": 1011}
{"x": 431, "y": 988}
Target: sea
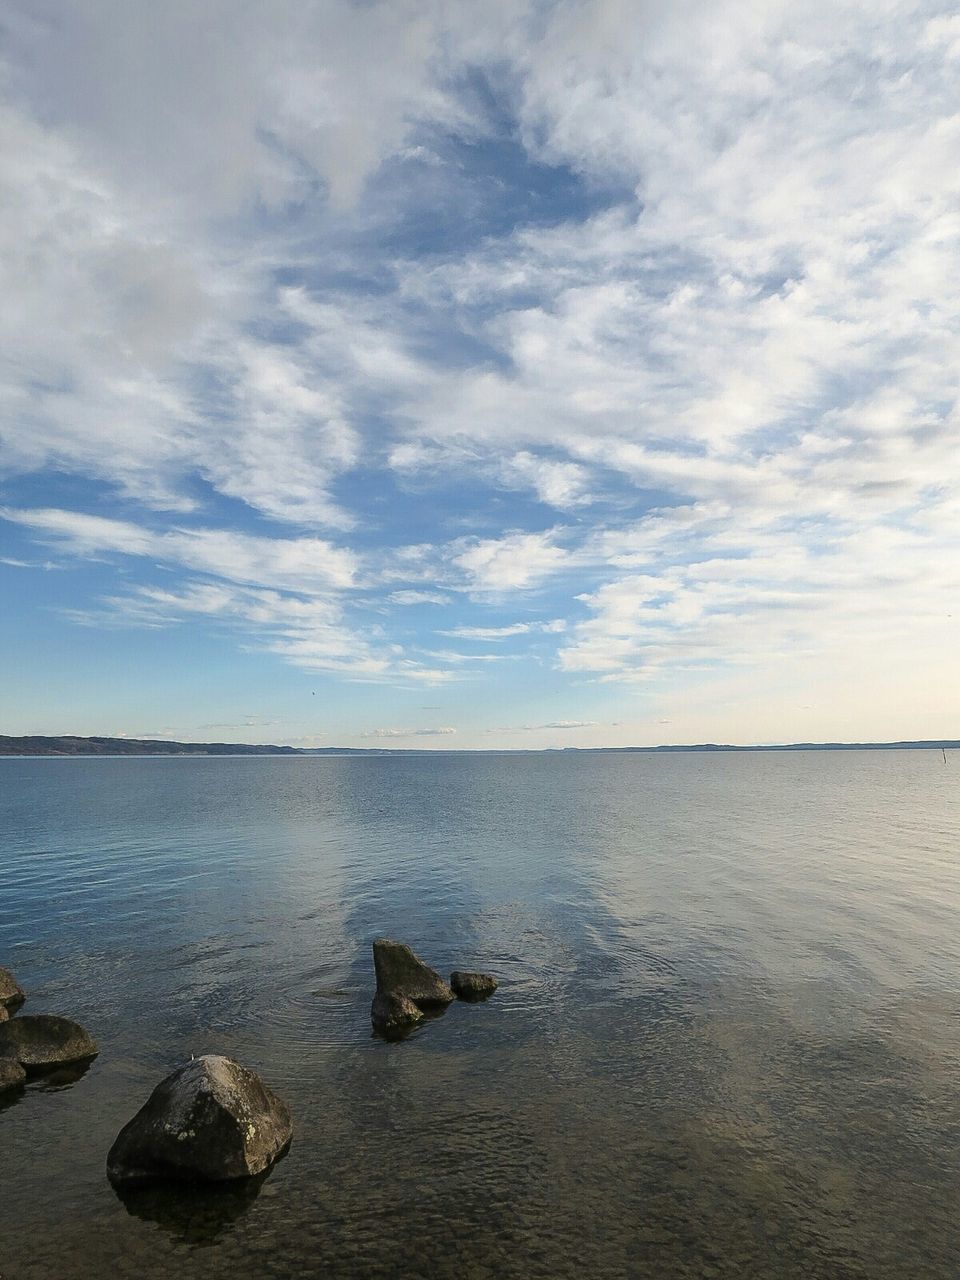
{"x": 726, "y": 1040}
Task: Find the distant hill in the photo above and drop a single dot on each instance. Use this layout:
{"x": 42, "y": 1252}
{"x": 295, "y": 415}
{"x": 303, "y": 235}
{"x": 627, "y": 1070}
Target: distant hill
{"x": 68, "y": 745}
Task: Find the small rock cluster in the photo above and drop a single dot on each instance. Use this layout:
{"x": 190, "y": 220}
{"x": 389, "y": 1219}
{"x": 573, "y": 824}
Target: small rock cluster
{"x": 213, "y": 1120}
{"x": 35, "y": 1042}
{"x": 210, "y": 1121}
{"x": 408, "y": 989}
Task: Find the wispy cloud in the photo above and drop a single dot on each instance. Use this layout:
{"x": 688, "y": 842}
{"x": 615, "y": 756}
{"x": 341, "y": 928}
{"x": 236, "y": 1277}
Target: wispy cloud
{"x": 283, "y": 319}
{"x": 504, "y": 633}
{"x": 408, "y": 733}
{"x": 418, "y": 597}
{"x": 301, "y": 563}
{"x": 550, "y": 724}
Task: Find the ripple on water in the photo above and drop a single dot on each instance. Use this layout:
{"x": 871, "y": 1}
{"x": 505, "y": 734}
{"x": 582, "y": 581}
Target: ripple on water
{"x": 726, "y": 1041}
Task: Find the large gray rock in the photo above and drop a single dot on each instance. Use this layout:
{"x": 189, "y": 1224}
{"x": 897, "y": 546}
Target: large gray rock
{"x": 212, "y": 1120}
{"x": 398, "y": 969}
{"x": 11, "y": 1074}
{"x": 472, "y": 986}
{"x": 40, "y": 1040}
{"x": 393, "y": 1013}
{"x": 11, "y": 993}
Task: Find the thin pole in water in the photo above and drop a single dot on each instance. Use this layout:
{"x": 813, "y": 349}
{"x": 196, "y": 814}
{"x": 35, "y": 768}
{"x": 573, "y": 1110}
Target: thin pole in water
{"x": 944, "y": 750}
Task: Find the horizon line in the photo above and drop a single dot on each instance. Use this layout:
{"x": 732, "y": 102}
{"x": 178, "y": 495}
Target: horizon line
{"x": 45, "y": 744}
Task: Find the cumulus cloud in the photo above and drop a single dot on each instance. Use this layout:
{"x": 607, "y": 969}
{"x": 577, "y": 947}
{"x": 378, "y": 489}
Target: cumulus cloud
{"x": 516, "y": 560}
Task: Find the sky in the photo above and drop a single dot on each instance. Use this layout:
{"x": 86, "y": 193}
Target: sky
{"x": 535, "y": 374}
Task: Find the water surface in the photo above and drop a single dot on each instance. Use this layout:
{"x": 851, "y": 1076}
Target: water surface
{"x": 726, "y": 1041}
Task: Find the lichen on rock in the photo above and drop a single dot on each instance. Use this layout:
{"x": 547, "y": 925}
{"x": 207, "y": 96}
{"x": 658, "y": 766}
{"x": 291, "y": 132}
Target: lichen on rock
{"x": 212, "y": 1120}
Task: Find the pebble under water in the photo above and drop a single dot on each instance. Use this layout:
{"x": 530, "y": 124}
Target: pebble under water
{"x": 726, "y": 1041}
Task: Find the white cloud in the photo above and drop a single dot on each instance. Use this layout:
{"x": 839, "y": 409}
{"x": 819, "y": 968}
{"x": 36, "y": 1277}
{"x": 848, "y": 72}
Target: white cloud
{"x": 312, "y": 632}
{"x": 301, "y": 564}
{"x": 550, "y": 724}
{"x": 454, "y": 657}
{"x": 209, "y": 300}
{"x": 515, "y": 561}
{"x": 503, "y": 633}
{"x": 491, "y": 633}
{"x": 558, "y": 484}
{"x": 418, "y": 597}
{"x": 762, "y": 598}
{"x": 408, "y": 733}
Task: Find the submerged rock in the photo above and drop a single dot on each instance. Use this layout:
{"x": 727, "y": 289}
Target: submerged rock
{"x": 212, "y": 1120}
{"x": 40, "y": 1040}
{"x": 393, "y": 1013}
{"x": 11, "y": 993}
{"x": 399, "y": 970}
{"x": 473, "y": 986}
{"x": 11, "y": 1074}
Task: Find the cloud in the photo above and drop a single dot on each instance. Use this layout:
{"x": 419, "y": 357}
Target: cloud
{"x": 313, "y": 633}
{"x": 491, "y": 633}
{"x": 761, "y": 596}
{"x": 300, "y": 616}
{"x": 418, "y": 597}
{"x": 504, "y": 633}
{"x": 276, "y": 289}
{"x": 408, "y": 733}
{"x": 558, "y": 484}
{"x": 515, "y": 561}
{"x": 550, "y": 724}
{"x": 455, "y": 657}
{"x": 302, "y": 564}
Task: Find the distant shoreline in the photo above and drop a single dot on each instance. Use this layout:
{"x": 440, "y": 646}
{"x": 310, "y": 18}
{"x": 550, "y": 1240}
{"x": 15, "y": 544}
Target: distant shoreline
{"x": 68, "y": 746}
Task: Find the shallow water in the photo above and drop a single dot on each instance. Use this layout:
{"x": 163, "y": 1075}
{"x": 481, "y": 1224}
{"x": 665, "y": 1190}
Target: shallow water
{"x": 726, "y": 1041}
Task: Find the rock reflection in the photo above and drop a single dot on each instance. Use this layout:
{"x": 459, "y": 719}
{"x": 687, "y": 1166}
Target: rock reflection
{"x": 429, "y": 1014}
{"x": 63, "y": 1076}
{"x": 10, "y": 1096}
{"x": 196, "y": 1214}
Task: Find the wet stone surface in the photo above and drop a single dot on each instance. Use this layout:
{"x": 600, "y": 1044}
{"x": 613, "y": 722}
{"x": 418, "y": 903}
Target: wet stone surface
{"x": 393, "y": 1014}
{"x": 11, "y": 993}
{"x": 40, "y": 1041}
{"x": 12, "y": 1075}
{"x": 212, "y": 1120}
{"x": 472, "y": 986}
{"x": 398, "y": 969}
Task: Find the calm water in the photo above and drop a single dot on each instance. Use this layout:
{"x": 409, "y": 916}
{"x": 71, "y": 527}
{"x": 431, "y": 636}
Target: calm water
{"x": 726, "y": 1043}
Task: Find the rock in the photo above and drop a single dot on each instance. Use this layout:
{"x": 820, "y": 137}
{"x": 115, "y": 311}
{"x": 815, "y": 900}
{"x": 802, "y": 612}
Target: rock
{"x": 399, "y": 970}
{"x": 11, "y": 1074}
{"x": 393, "y": 1013}
{"x": 11, "y": 993}
{"x": 212, "y": 1120}
{"x": 4, "y": 1013}
{"x": 40, "y": 1040}
{"x": 473, "y": 986}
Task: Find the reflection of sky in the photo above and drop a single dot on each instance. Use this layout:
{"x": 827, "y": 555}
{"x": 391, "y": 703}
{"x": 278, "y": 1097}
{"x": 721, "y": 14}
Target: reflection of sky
{"x": 614, "y": 872}
{"x": 713, "y": 970}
